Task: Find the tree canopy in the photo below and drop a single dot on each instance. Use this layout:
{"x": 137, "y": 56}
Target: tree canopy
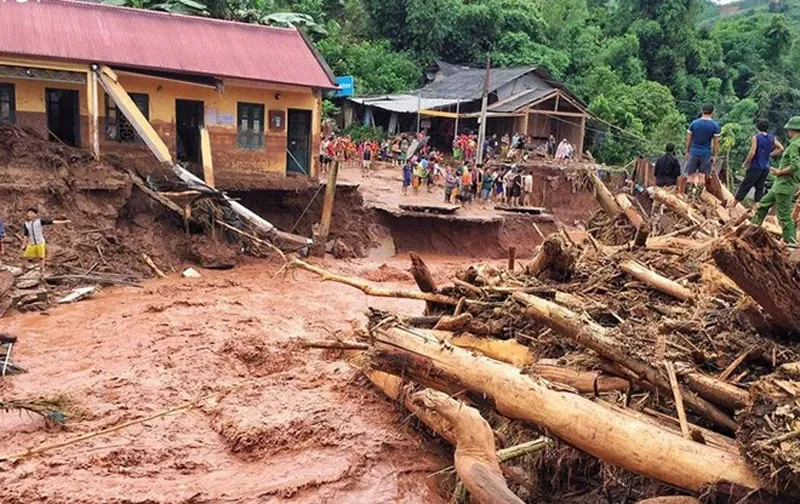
{"x": 645, "y": 67}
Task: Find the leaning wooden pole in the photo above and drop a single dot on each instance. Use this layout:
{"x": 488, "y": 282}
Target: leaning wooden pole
{"x": 614, "y": 437}
{"x": 595, "y": 337}
{"x": 327, "y": 212}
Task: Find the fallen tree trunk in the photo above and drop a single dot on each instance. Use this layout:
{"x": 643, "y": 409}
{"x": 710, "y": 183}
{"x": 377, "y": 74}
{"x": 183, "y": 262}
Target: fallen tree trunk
{"x": 758, "y": 264}
{"x": 476, "y": 458}
{"x": 595, "y": 337}
{"x": 679, "y": 207}
{"x": 554, "y": 258}
{"x": 647, "y": 276}
{"x": 615, "y": 438}
{"x": 372, "y": 290}
{"x": 603, "y": 195}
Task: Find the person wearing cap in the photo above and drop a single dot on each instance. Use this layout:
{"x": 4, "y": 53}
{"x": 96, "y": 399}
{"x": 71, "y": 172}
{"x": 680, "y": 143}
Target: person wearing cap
{"x": 787, "y": 178}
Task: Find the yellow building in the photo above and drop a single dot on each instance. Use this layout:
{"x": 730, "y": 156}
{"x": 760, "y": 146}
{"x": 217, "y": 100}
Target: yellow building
{"x": 256, "y": 90}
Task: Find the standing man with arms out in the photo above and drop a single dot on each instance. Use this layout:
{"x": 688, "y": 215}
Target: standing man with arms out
{"x": 702, "y": 147}
{"x": 787, "y": 178}
{"x": 763, "y": 146}
{"x": 33, "y": 243}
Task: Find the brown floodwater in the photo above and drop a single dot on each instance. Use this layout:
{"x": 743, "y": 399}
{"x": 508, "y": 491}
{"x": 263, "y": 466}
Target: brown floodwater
{"x": 276, "y": 423}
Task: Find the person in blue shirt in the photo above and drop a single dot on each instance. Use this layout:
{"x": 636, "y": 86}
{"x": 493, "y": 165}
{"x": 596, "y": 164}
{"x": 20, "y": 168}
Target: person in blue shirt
{"x": 702, "y": 147}
{"x": 763, "y": 146}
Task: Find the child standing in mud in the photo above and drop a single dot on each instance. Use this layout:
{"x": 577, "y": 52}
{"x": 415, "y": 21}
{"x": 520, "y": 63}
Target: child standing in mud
{"x": 407, "y": 173}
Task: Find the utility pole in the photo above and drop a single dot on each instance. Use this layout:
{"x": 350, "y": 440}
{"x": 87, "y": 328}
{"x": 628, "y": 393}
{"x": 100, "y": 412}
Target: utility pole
{"x": 419, "y": 107}
{"x": 458, "y": 110}
{"x": 484, "y": 105}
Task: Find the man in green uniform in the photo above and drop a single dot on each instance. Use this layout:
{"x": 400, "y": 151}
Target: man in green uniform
{"x": 787, "y": 178}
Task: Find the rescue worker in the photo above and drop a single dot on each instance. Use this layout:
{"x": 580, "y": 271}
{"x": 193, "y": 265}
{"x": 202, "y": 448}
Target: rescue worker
{"x": 787, "y": 178}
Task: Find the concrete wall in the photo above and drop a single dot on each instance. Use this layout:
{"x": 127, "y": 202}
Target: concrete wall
{"x": 230, "y": 162}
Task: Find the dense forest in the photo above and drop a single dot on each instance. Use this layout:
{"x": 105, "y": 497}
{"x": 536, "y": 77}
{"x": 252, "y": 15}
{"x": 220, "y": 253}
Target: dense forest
{"x": 645, "y": 67}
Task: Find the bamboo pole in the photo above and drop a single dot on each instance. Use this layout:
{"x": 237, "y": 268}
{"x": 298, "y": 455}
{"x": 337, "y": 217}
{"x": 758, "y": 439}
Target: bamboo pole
{"x": 84, "y": 437}
{"x": 676, "y": 394}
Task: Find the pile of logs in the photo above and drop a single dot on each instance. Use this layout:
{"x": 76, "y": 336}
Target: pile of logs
{"x": 672, "y": 360}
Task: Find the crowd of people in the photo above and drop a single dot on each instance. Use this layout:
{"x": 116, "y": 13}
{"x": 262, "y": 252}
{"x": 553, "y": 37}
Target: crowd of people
{"x": 468, "y": 182}
{"x": 702, "y": 148}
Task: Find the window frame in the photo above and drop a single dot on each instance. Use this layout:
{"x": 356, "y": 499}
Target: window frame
{"x": 11, "y": 88}
{"x": 119, "y": 117}
{"x": 244, "y": 139}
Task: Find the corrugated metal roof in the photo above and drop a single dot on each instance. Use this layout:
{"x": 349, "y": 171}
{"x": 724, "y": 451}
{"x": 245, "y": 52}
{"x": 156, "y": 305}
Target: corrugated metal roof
{"x": 86, "y": 32}
{"x": 403, "y": 103}
{"x": 468, "y": 84}
{"x": 520, "y": 100}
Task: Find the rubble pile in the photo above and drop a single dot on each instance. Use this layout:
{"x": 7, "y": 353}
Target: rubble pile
{"x": 664, "y": 366}
{"x": 127, "y": 222}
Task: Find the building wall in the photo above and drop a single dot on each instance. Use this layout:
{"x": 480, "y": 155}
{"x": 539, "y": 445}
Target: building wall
{"x": 230, "y": 162}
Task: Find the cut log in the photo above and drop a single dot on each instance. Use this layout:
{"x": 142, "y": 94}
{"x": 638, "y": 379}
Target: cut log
{"x": 678, "y": 206}
{"x": 603, "y": 195}
{"x": 721, "y": 393}
{"x": 633, "y": 215}
{"x": 372, "y": 290}
{"x": 554, "y": 258}
{"x": 616, "y": 438}
{"x": 508, "y": 351}
{"x": 760, "y": 266}
{"x": 595, "y": 337}
{"x": 582, "y": 381}
{"x": 453, "y": 323}
{"x": 476, "y": 458}
{"x": 516, "y": 354}
{"x": 722, "y": 213}
{"x": 649, "y": 277}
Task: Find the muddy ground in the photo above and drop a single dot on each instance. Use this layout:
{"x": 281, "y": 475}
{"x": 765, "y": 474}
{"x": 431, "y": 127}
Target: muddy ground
{"x": 277, "y": 423}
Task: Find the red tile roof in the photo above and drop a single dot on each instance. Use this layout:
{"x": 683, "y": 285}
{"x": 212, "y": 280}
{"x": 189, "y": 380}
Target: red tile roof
{"x": 89, "y": 32}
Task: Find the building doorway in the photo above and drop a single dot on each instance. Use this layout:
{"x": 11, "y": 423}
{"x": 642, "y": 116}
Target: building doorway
{"x": 188, "y": 121}
{"x": 298, "y": 146}
{"x": 62, "y": 108}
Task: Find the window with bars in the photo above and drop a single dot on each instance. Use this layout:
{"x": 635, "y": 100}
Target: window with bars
{"x": 8, "y": 108}
{"x": 250, "y": 125}
{"x": 117, "y": 125}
